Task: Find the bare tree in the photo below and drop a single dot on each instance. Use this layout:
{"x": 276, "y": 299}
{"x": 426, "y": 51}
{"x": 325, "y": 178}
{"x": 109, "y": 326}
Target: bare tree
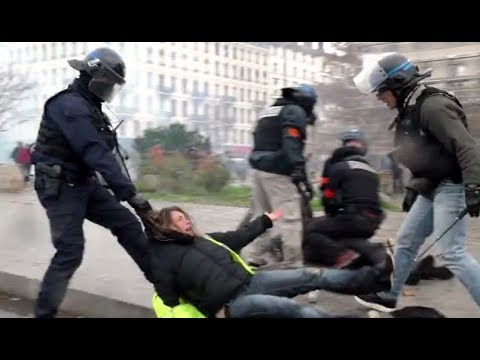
{"x": 14, "y": 87}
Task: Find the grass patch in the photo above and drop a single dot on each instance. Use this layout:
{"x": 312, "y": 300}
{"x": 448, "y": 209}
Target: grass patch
{"x": 231, "y": 196}
{"x": 228, "y": 196}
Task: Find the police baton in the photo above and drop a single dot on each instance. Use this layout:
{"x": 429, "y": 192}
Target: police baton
{"x": 457, "y": 219}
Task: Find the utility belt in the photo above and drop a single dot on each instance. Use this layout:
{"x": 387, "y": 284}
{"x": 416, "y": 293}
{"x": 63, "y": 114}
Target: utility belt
{"x": 54, "y": 177}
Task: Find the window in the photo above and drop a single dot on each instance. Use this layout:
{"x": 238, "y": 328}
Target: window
{"x": 44, "y": 51}
{"x": 225, "y": 70}
{"x": 217, "y": 68}
{"x": 174, "y": 85}
{"x": 184, "y": 86}
{"x": 150, "y": 55}
{"x": 217, "y": 49}
{"x": 174, "y": 107}
{"x": 226, "y": 50}
{"x": 161, "y": 80}
{"x": 174, "y": 59}
{"x": 136, "y": 129}
{"x": 234, "y": 53}
{"x": 185, "y": 108}
{"x": 161, "y": 57}
{"x": 184, "y": 61}
{"x": 195, "y": 86}
{"x": 206, "y": 88}
{"x": 195, "y": 108}
{"x": 150, "y": 80}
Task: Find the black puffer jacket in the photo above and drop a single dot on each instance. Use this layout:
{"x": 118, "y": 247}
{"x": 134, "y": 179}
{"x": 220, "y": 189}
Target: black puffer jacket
{"x": 201, "y": 272}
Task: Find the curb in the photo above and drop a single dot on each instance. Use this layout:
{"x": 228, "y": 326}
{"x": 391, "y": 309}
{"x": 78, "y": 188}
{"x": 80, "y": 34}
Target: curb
{"x": 76, "y": 301}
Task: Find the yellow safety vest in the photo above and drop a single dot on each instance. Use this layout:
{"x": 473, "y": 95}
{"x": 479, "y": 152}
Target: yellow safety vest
{"x": 184, "y": 309}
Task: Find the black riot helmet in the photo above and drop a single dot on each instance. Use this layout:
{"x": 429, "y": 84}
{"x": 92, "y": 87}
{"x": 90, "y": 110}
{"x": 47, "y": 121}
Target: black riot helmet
{"x": 107, "y": 70}
{"x": 393, "y": 72}
{"x": 305, "y": 96}
{"x": 354, "y": 134}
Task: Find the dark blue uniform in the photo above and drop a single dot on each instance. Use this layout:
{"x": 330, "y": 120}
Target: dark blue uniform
{"x": 76, "y": 135}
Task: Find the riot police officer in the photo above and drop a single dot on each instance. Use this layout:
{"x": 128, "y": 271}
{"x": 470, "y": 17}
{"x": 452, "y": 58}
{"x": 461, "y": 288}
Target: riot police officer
{"x": 433, "y": 141}
{"x": 75, "y": 140}
{"x": 278, "y": 166}
{"x": 350, "y": 195}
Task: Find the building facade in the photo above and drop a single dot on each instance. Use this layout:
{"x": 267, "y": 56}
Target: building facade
{"x": 217, "y": 88}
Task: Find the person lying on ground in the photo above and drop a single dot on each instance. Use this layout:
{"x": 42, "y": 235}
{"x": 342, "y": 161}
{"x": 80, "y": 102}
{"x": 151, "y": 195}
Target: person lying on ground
{"x": 201, "y": 275}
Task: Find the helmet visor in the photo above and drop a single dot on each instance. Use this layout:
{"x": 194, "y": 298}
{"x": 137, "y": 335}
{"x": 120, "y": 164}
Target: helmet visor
{"x": 370, "y": 78}
{"x": 106, "y": 83}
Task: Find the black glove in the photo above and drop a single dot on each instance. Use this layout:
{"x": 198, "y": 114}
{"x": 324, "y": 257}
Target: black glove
{"x": 409, "y": 199}
{"x": 309, "y": 190}
{"x": 472, "y": 199}
{"x": 298, "y": 175}
{"x": 139, "y": 203}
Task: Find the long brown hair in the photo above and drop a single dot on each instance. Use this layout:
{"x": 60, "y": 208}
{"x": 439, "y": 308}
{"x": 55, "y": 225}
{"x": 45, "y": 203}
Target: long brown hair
{"x": 161, "y": 220}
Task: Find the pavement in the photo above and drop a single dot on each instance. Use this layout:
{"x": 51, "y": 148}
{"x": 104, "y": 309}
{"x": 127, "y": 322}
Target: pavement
{"x": 108, "y": 284}
{"x": 15, "y": 307}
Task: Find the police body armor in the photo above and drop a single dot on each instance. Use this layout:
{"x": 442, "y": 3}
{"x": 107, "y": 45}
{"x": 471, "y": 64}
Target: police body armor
{"x": 267, "y": 154}
{"x": 359, "y": 189}
{"x": 52, "y": 143}
{"x": 420, "y": 151}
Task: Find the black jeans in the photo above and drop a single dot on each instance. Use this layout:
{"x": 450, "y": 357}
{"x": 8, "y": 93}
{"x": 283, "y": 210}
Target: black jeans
{"x": 328, "y": 237}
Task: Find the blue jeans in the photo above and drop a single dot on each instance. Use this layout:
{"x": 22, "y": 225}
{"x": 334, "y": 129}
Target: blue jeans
{"x": 269, "y": 293}
{"x": 425, "y": 218}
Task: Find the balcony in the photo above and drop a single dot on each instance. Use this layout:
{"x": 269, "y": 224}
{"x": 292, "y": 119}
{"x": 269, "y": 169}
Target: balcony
{"x": 199, "y": 94}
{"x": 259, "y": 103}
{"x": 166, "y": 89}
{"x": 198, "y": 118}
{"x": 229, "y": 99}
{"x": 228, "y": 120}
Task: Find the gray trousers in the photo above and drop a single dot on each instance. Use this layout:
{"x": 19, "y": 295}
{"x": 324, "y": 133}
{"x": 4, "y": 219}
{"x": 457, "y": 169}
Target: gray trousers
{"x": 271, "y": 192}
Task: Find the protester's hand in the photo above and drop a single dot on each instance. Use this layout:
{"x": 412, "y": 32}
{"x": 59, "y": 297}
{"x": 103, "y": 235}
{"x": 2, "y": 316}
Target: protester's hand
{"x": 275, "y": 215}
{"x": 309, "y": 190}
{"x": 139, "y": 203}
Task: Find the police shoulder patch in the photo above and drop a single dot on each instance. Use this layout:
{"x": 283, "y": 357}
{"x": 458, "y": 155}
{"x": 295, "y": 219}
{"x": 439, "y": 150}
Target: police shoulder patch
{"x": 358, "y": 165}
{"x": 271, "y": 111}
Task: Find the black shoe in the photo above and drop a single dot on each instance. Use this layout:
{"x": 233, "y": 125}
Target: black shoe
{"x": 386, "y": 273}
{"x": 375, "y": 302}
